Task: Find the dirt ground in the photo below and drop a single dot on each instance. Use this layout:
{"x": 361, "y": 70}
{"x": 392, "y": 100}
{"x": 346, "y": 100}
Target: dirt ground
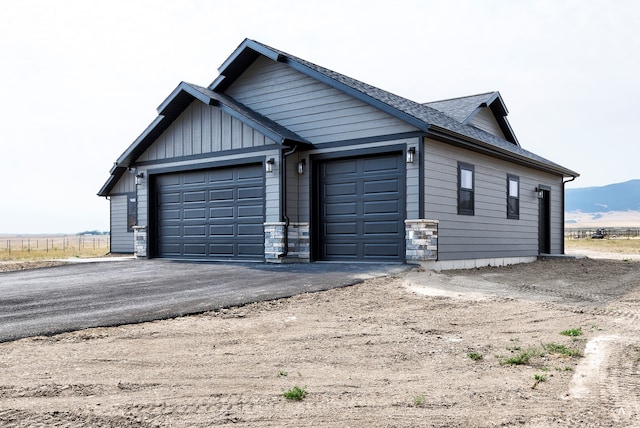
{"x": 390, "y": 352}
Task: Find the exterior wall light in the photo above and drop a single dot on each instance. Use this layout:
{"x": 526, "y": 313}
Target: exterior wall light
{"x": 268, "y": 167}
{"x": 301, "y": 166}
{"x": 539, "y": 192}
{"x": 411, "y": 154}
{"x": 139, "y": 177}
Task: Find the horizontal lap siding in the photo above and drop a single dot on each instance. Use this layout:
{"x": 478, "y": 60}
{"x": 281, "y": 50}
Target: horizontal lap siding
{"x": 202, "y": 129}
{"x": 308, "y": 107}
{"x": 488, "y": 233}
{"x": 486, "y": 121}
{"x": 121, "y": 240}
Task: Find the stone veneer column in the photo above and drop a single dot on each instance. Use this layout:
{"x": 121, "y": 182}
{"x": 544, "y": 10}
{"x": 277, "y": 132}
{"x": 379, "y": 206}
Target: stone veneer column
{"x": 274, "y": 241}
{"x": 421, "y": 240}
{"x": 140, "y": 241}
{"x": 299, "y": 242}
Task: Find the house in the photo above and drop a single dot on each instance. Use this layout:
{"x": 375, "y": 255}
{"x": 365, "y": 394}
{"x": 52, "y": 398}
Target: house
{"x": 281, "y": 160}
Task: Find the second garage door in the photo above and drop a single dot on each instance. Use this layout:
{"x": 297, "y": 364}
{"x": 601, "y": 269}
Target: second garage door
{"x": 217, "y": 213}
{"x": 361, "y": 209}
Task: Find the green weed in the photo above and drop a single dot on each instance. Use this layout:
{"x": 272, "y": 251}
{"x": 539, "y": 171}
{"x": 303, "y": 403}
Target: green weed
{"x": 554, "y": 348}
{"x": 573, "y": 332}
{"x": 295, "y": 394}
{"x": 419, "y": 400}
{"x": 475, "y": 356}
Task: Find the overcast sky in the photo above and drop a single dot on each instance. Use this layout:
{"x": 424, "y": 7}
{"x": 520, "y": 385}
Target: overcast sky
{"x": 80, "y": 80}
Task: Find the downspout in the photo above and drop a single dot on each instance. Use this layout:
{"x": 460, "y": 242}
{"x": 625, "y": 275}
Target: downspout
{"x": 563, "y": 197}
{"x": 283, "y": 208}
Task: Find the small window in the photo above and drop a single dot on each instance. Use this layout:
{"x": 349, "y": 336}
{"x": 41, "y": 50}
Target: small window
{"x": 465, "y": 189}
{"x": 513, "y": 196}
{"x": 132, "y": 211}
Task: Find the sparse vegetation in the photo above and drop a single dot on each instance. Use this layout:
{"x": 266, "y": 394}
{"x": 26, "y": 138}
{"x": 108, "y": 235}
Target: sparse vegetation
{"x": 573, "y": 332}
{"x": 540, "y": 378}
{"x": 295, "y": 394}
{"x": 554, "y": 348}
{"x": 419, "y": 400}
{"x": 522, "y": 358}
{"x": 475, "y": 356}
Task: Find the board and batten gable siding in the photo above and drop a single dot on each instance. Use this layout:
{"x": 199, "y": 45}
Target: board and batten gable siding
{"x": 121, "y": 239}
{"x": 486, "y": 121}
{"x": 309, "y": 107}
{"x": 488, "y": 233}
{"x": 202, "y": 129}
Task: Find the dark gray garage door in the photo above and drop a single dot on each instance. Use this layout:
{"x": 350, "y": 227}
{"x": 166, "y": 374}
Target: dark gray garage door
{"x": 361, "y": 208}
{"x": 216, "y": 213}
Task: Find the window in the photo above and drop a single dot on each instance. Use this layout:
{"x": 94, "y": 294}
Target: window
{"x": 513, "y": 196}
{"x": 132, "y": 208}
{"x": 465, "y": 189}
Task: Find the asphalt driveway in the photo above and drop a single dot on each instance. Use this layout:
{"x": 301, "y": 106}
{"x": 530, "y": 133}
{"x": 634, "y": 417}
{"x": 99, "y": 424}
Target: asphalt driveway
{"x": 77, "y": 296}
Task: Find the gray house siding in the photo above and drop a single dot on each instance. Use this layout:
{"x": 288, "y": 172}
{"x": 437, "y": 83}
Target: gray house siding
{"x": 203, "y": 129}
{"x": 121, "y": 239}
{"x": 488, "y": 233}
{"x": 308, "y": 107}
{"x": 486, "y": 121}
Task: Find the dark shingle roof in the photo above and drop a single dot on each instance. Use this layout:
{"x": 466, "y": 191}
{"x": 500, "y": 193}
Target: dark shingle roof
{"x": 461, "y": 108}
{"x": 424, "y": 117}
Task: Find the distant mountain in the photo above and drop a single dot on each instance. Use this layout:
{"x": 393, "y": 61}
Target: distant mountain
{"x": 613, "y": 197}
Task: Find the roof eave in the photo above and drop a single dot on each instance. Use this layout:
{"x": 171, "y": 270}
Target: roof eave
{"x": 451, "y": 137}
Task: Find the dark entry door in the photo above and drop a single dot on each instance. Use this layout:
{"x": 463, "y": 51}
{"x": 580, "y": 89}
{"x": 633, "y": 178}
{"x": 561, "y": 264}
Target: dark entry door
{"x": 544, "y": 221}
{"x": 361, "y": 209}
{"x": 216, "y": 213}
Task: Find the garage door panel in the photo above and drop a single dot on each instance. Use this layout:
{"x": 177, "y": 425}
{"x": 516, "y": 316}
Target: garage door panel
{"x": 340, "y": 208}
{"x": 198, "y": 213}
{"x": 380, "y": 250}
{"x": 220, "y": 230}
{"x": 199, "y": 196}
{"x": 221, "y": 195}
{"x": 196, "y": 249}
{"x": 168, "y": 198}
{"x": 381, "y": 207}
{"x": 340, "y": 189}
{"x": 221, "y": 212}
{"x": 347, "y": 250}
{"x": 381, "y": 186}
{"x": 345, "y": 228}
{"x": 361, "y": 203}
{"x": 195, "y": 231}
{"x": 222, "y": 250}
{"x": 250, "y": 230}
{"x": 343, "y": 167}
{"x": 214, "y": 213}
{"x": 250, "y": 251}
{"x": 381, "y": 228}
{"x": 250, "y": 211}
{"x": 221, "y": 175}
{"x": 379, "y": 165}
{"x": 250, "y": 193}
{"x": 195, "y": 178}
{"x": 170, "y": 231}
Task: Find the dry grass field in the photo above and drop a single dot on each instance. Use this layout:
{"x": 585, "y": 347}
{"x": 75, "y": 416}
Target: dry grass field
{"x": 630, "y": 246}
{"x": 48, "y": 247}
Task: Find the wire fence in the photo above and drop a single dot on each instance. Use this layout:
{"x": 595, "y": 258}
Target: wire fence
{"x": 15, "y": 246}
{"x": 612, "y": 232}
